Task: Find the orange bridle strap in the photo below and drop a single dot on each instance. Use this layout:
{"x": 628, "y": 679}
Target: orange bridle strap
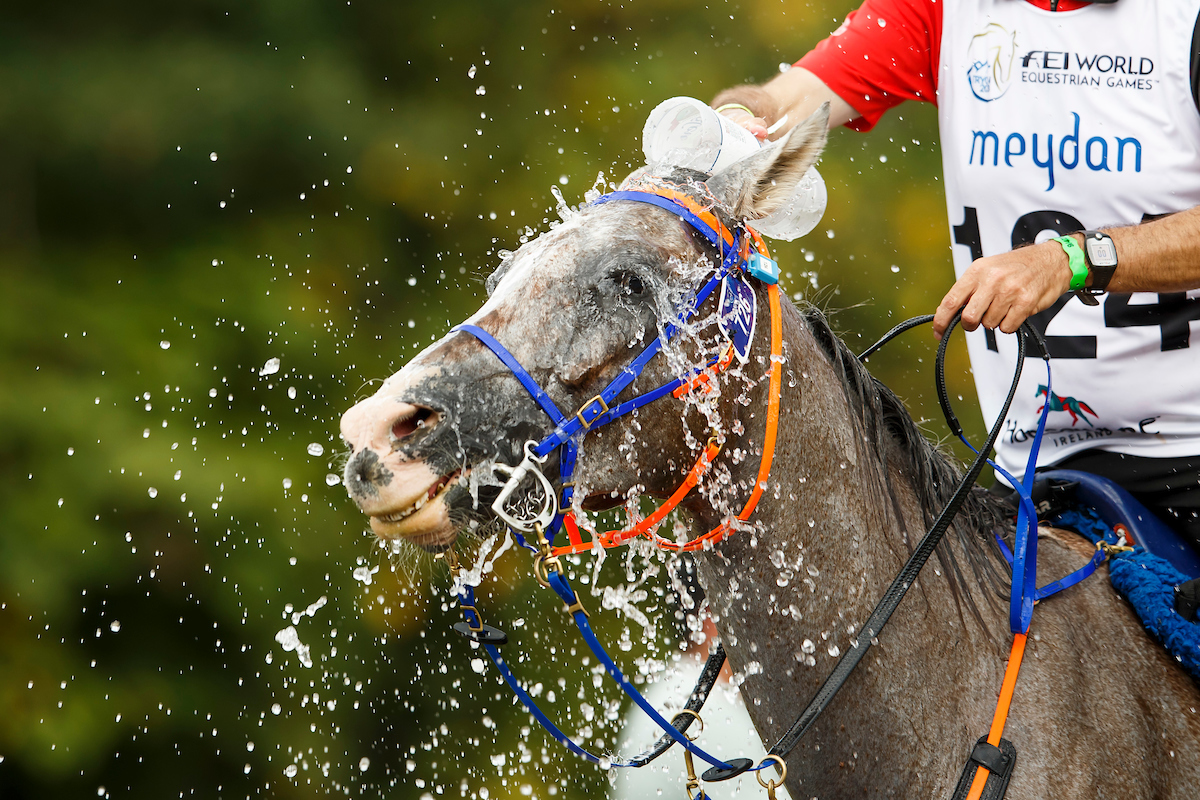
{"x": 764, "y": 468}
{"x": 648, "y": 526}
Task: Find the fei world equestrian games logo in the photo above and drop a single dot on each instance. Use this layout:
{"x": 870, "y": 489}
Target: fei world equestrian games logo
{"x": 991, "y": 55}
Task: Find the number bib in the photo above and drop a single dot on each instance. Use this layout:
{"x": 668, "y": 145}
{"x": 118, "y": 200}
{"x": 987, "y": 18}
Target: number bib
{"x": 1056, "y": 123}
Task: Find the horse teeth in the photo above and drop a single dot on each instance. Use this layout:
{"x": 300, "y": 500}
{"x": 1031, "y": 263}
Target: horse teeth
{"x": 420, "y": 503}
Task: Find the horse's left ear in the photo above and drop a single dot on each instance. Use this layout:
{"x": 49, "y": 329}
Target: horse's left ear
{"x": 759, "y": 184}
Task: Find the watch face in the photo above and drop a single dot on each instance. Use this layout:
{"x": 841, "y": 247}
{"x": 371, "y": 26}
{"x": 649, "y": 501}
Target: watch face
{"x": 1101, "y": 251}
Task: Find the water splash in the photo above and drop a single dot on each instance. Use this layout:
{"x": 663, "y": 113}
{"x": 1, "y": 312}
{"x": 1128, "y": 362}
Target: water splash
{"x": 565, "y": 211}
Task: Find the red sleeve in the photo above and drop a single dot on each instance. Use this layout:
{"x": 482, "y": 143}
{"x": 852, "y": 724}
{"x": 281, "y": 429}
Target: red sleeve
{"x": 886, "y": 52}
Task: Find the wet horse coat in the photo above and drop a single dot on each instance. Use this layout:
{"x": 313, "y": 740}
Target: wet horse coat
{"x": 1099, "y": 711}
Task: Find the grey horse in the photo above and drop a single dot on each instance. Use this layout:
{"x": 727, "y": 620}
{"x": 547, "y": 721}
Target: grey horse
{"x": 1100, "y": 710}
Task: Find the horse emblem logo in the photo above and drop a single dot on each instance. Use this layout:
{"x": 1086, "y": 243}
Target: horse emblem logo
{"x": 991, "y": 55}
{"x": 1076, "y": 408}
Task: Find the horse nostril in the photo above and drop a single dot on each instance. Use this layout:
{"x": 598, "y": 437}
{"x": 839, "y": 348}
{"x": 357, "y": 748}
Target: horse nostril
{"x": 406, "y": 426}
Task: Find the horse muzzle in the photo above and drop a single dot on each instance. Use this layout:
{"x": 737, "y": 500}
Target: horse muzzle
{"x": 402, "y": 493}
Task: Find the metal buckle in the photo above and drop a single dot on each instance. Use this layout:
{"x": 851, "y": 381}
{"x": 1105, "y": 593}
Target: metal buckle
{"x": 478, "y": 625}
{"x": 586, "y": 423}
{"x": 1111, "y": 550}
{"x": 771, "y": 785}
{"x": 545, "y": 561}
{"x": 577, "y": 606}
{"x": 693, "y": 783}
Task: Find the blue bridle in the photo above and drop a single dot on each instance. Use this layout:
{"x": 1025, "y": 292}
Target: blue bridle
{"x": 601, "y": 410}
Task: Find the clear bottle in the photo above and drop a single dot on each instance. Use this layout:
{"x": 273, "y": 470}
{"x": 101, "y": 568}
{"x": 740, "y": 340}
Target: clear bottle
{"x": 685, "y": 132}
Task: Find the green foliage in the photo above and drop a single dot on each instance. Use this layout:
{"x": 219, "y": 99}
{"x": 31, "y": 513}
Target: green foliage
{"x": 189, "y": 190}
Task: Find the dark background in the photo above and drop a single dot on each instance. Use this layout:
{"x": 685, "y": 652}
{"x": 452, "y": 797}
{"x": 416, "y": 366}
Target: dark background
{"x": 190, "y": 189}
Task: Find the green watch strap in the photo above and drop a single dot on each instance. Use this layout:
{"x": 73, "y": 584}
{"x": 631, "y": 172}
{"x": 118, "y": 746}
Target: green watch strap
{"x": 1079, "y": 270}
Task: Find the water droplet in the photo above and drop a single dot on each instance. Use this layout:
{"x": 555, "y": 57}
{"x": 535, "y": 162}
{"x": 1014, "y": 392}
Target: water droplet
{"x": 291, "y": 392}
{"x": 813, "y": 570}
{"x": 164, "y": 344}
{"x": 246, "y": 769}
{"x": 808, "y": 646}
{"x": 364, "y": 762}
{"x": 115, "y": 625}
{"x": 895, "y": 268}
{"x": 477, "y": 665}
{"x": 834, "y": 650}
{"x": 480, "y": 90}
{"x": 290, "y": 770}
{"x": 250, "y": 747}
{"x": 270, "y": 368}
{"x": 498, "y": 759}
{"x": 471, "y": 72}
{"x": 212, "y": 156}
{"x": 316, "y": 449}
{"x": 152, "y": 492}
{"x": 276, "y": 708}
{"x": 287, "y": 483}
{"x": 332, "y": 480}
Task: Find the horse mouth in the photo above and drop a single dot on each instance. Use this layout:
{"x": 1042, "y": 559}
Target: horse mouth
{"x": 426, "y": 520}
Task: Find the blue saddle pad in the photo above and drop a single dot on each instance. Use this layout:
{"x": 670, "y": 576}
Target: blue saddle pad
{"x": 1115, "y": 505}
{"x": 1146, "y": 580}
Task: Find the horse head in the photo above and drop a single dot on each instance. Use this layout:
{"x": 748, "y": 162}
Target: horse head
{"x": 573, "y": 307}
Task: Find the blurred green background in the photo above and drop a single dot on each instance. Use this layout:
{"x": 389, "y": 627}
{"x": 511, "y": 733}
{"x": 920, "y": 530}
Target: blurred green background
{"x": 189, "y": 190}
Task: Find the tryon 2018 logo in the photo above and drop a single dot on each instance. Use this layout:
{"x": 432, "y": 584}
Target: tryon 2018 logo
{"x": 990, "y": 55}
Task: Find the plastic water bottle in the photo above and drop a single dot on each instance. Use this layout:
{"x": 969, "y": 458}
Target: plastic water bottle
{"x": 800, "y": 213}
{"x": 685, "y": 132}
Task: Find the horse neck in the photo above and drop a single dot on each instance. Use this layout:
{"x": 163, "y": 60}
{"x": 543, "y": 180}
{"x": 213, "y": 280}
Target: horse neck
{"x": 835, "y": 524}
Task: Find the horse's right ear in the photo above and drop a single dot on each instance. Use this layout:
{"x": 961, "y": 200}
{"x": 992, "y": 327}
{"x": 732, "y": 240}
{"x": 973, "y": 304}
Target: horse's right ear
{"x": 757, "y": 185}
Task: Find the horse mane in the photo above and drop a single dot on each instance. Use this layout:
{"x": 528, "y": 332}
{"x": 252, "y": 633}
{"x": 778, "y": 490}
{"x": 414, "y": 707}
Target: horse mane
{"x": 886, "y": 425}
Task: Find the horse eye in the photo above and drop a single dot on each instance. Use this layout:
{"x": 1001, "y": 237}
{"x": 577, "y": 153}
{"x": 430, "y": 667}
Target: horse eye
{"x": 631, "y": 283}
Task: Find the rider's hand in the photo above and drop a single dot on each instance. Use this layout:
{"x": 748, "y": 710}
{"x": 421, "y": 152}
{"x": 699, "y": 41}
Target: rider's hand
{"x": 1002, "y": 291}
{"x": 756, "y": 125}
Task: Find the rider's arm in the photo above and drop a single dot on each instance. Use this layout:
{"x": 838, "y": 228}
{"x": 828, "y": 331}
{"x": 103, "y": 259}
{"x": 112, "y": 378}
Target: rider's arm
{"x": 1001, "y": 291}
{"x": 796, "y": 93}
{"x": 885, "y": 52}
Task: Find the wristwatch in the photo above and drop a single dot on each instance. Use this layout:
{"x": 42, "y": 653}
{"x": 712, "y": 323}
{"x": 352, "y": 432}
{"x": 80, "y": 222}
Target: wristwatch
{"x": 1101, "y": 256}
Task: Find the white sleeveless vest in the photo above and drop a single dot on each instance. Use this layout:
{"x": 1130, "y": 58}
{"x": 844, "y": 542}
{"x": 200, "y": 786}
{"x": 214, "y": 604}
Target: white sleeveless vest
{"x": 1056, "y": 122}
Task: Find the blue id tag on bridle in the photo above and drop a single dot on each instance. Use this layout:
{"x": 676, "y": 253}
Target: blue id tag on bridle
{"x": 737, "y": 313}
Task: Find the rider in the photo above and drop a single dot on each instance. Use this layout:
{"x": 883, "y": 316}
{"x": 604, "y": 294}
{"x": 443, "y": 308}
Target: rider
{"x": 1056, "y": 116}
